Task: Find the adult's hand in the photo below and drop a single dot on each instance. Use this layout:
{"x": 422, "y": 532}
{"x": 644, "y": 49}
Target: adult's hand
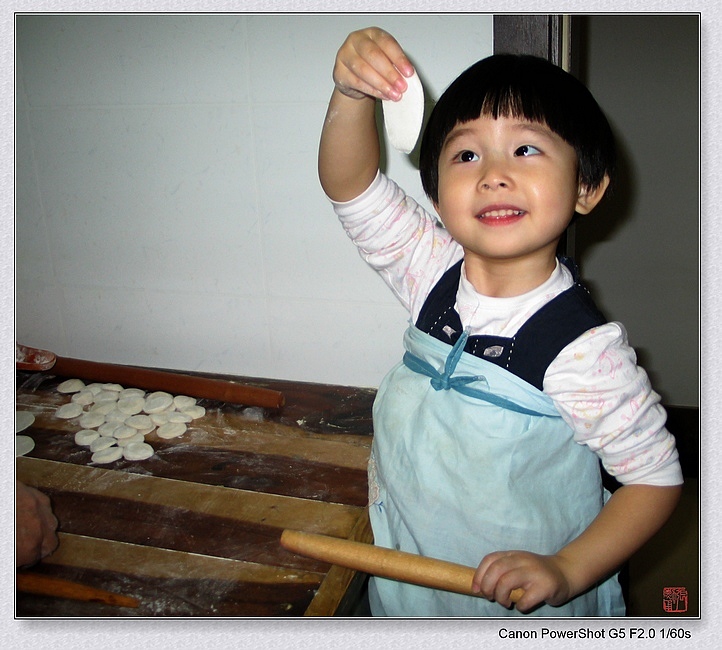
{"x": 35, "y": 526}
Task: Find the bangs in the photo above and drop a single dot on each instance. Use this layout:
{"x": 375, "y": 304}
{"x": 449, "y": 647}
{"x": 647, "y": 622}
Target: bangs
{"x": 510, "y": 102}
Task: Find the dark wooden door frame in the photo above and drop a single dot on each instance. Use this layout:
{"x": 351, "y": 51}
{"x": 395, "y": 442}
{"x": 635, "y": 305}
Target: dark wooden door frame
{"x": 538, "y": 34}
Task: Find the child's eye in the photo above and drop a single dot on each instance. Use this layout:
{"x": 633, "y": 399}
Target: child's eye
{"x": 526, "y": 150}
{"x": 467, "y": 156}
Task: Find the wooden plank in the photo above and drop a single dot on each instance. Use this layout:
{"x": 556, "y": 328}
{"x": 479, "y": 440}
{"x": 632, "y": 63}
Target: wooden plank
{"x": 228, "y": 432}
{"x": 282, "y": 475}
{"x": 341, "y": 586}
{"x": 241, "y": 505}
{"x": 99, "y": 554}
{"x": 170, "y": 583}
{"x": 176, "y": 529}
{"x": 183, "y": 516}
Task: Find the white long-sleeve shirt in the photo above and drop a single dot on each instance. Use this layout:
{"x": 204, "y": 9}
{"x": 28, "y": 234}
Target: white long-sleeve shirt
{"x": 595, "y": 382}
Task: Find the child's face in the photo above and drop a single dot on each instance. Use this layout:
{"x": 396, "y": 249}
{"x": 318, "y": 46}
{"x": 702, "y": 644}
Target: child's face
{"x": 508, "y": 189}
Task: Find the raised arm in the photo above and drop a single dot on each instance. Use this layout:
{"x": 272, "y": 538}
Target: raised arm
{"x": 369, "y": 65}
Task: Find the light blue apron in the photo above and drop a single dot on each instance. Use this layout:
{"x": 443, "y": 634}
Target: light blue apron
{"x": 468, "y": 459}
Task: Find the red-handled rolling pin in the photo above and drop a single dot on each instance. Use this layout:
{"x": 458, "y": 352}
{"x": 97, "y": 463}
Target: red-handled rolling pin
{"x": 43, "y": 585}
{"x": 384, "y": 562}
{"x": 179, "y": 384}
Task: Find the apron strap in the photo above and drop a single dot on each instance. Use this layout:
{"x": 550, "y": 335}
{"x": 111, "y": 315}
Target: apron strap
{"x": 538, "y": 342}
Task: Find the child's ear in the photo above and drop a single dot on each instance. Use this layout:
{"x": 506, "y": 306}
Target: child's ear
{"x": 588, "y": 198}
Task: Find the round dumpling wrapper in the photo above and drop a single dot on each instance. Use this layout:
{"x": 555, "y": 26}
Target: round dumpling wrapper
{"x": 403, "y": 119}
{"x": 23, "y": 445}
{"x": 23, "y": 420}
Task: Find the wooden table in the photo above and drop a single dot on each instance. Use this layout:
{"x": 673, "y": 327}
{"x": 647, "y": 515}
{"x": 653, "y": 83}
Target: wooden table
{"x": 194, "y": 530}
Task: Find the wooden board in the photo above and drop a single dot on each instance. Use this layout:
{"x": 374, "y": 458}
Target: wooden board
{"x": 195, "y": 529}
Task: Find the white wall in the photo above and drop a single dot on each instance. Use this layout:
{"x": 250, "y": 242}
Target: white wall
{"x": 168, "y": 211}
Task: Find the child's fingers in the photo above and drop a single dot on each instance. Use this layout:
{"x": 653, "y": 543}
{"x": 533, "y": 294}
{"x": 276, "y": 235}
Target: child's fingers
{"x": 498, "y": 575}
{"x": 366, "y": 68}
{"x": 507, "y": 583}
{"x": 482, "y": 575}
{"x": 539, "y": 576}
{"x": 391, "y": 50}
{"x": 372, "y": 63}
{"x": 359, "y": 79}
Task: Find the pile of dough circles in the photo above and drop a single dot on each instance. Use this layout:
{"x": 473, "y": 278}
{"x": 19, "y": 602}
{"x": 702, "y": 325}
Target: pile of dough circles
{"x": 114, "y": 420}
{"x": 403, "y": 119}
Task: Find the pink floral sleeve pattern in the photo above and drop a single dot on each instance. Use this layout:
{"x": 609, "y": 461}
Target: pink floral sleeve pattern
{"x": 399, "y": 239}
{"x": 607, "y": 399}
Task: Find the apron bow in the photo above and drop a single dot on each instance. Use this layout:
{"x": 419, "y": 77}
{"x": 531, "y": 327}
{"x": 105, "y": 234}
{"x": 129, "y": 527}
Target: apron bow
{"x": 446, "y": 380}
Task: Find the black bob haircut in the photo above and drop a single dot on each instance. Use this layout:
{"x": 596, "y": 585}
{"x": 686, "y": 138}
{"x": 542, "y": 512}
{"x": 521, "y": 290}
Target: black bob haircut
{"x": 527, "y": 87}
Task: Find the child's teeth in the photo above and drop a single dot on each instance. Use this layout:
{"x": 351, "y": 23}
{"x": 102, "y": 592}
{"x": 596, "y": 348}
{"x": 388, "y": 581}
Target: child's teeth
{"x": 501, "y": 213}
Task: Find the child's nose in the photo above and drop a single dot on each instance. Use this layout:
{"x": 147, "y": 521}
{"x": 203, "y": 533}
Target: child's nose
{"x": 494, "y": 176}
{"x": 493, "y": 184}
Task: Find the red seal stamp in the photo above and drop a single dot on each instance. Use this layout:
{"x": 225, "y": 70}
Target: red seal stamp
{"x": 675, "y": 599}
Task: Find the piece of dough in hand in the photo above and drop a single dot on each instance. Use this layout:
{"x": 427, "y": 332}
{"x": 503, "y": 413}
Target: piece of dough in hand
{"x": 403, "y": 119}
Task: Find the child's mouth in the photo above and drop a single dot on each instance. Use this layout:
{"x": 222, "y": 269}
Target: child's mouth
{"x": 500, "y": 216}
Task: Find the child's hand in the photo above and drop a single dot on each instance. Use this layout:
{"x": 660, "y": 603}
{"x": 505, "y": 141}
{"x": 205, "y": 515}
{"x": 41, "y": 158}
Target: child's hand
{"x": 371, "y": 63}
{"x": 542, "y": 578}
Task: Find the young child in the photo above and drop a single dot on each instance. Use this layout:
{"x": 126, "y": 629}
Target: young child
{"x": 489, "y": 433}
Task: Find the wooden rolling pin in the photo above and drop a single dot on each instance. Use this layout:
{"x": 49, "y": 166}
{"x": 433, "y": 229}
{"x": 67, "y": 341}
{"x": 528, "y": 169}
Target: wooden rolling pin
{"x": 179, "y": 384}
{"x": 42, "y": 585}
{"x": 385, "y": 563}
